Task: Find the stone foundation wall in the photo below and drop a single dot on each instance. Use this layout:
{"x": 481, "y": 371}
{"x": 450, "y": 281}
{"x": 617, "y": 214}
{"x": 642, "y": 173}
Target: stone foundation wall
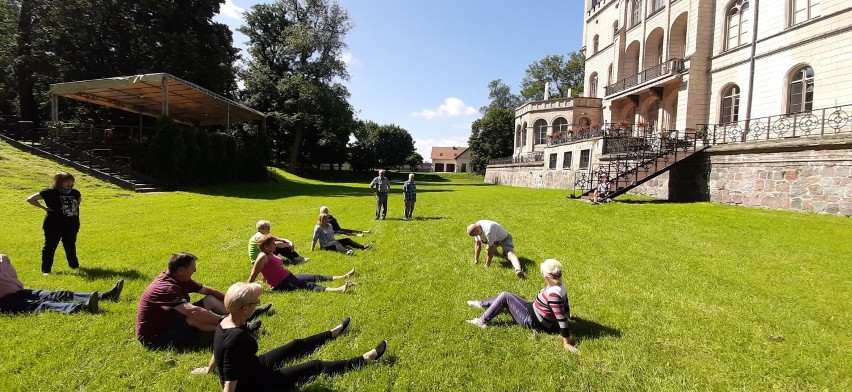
{"x": 529, "y": 176}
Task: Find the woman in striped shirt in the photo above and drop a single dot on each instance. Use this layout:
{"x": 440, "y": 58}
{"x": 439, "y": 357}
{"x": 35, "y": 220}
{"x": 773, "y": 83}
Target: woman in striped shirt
{"x": 549, "y": 311}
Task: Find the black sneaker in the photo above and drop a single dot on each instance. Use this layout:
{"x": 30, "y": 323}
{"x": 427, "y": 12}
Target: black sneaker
{"x": 345, "y": 325}
{"x": 380, "y": 349}
{"x": 253, "y": 327}
{"x": 259, "y": 312}
{"x": 91, "y": 305}
{"x": 115, "y": 292}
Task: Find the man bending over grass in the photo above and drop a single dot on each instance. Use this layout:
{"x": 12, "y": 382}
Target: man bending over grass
{"x": 493, "y": 235}
{"x": 166, "y": 318}
{"x": 15, "y": 299}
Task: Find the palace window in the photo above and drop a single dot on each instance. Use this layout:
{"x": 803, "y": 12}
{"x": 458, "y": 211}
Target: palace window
{"x": 593, "y": 86}
{"x": 730, "y": 105}
{"x": 803, "y": 10}
{"x": 636, "y": 12}
{"x": 801, "y": 90}
{"x": 560, "y": 124}
{"x": 595, "y": 44}
{"x": 552, "y": 162}
{"x": 584, "y": 159}
{"x": 566, "y": 160}
{"x": 540, "y": 129}
{"x": 737, "y": 24}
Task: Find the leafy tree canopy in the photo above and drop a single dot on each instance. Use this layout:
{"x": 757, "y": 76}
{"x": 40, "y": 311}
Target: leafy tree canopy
{"x": 566, "y": 75}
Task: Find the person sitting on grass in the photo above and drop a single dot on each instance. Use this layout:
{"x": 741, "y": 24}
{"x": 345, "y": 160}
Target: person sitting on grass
{"x": 281, "y": 279}
{"x": 14, "y": 298}
{"x": 336, "y": 225}
{"x": 241, "y": 369}
{"x": 549, "y": 311}
{"x": 324, "y": 234}
{"x": 493, "y": 235}
{"x": 283, "y": 247}
{"x": 601, "y": 194}
{"x": 166, "y": 317}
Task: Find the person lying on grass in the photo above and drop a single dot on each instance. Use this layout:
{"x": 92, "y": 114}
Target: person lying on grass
{"x": 324, "y": 234}
{"x": 281, "y": 279}
{"x": 336, "y": 225}
{"x": 241, "y": 369}
{"x": 549, "y": 311}
{"x": 14, "y": 298}
{"x": 283, "y": 247}
{"x": 166, "y": 318}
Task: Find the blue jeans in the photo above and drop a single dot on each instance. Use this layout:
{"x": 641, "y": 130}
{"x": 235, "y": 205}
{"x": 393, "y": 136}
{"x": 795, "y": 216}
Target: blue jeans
{"x": 39, "y": 300}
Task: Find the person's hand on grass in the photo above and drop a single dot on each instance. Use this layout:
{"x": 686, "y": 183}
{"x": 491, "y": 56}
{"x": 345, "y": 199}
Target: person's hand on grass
{"x": 568, "y": 343}
{"x": 197, "y": 371}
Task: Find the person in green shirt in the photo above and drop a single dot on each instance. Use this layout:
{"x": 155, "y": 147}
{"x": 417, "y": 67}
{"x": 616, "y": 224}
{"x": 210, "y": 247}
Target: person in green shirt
{"x": 283, "y": 247}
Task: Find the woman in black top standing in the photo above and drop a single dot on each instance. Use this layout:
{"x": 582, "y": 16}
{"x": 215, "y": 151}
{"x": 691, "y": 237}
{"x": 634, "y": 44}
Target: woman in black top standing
{"x": 241, "y": 369}
{"x": 62, "y": 222}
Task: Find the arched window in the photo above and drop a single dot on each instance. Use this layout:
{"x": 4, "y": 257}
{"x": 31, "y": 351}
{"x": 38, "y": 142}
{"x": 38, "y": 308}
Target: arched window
{"x": 660, "y": 55}
{"x": 518, "y": 136}
{"x": 801, "y": 90}
{"x": 730, "y": 105}
{"x": 609, "y": 75}
{"x": 736, "y": 18}
{"x": 560, "y": 124}
{"x": 615, "y": 28}
{"x": 595, "y": 44}
{"x": 593, "y": 85}
{"x": 802, "y": 10}
{"x": 524, "y": 135}
{"x": 540, "y": 129}
{"x": 635, "y": 12}
{"x": 584, "y": 122}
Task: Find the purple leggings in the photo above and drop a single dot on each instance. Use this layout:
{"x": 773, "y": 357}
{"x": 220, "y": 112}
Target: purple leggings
{"x": 518, "y": 307}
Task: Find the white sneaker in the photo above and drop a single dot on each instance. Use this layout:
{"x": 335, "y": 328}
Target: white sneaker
{"x": 350, "y": 252}
{"x": 477, "y": 322}
{"x": 475, "y": 304}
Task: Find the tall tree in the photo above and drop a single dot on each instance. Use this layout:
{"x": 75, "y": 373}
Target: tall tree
{"x": 381, "y": 146}
{"x": 500, "y": 96}
{"x": 296, "y": 48}
{"x": 566, "y": 76}
{"x": 491, "y": 137}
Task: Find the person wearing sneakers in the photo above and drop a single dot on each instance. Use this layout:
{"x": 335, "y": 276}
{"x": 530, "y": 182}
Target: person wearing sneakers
{"x": 62, "y": 221}
{"x": 493, "y": 235}
{"x": 241, "y": 369}
{"x": 409, "y": 191}
{"x": 336, "y": 225}
{"x": 549, "y": 311}
{"x": 166, "y": 317}
{"x": 281, "y": 279}
{"x": 283, "y": 247}
{"x": 381, "y": 186}
{"x": 324, "y": 234}
{"x": 14, "y": 298}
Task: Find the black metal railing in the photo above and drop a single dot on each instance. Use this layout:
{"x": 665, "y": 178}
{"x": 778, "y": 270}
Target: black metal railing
{"x": 633, "y": 158}
{"x": 666, "y": 68}
{"x": 820, "y": 122}
{"x": 595, "y": 131}
{"x": 523, "y": 158}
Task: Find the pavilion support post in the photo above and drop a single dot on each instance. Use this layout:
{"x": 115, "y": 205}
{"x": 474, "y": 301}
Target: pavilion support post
{"x": 165, "y": 89}
{"x": 140, "y": 128}
{"x": 229, "y": 117}
{"x": 54, "y": 108}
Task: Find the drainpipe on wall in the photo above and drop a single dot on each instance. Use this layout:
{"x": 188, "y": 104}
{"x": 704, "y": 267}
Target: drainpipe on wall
{"x": 751, "y": 65}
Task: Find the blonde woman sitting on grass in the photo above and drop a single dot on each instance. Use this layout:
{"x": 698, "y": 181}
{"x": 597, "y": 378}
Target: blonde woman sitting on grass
{"x": 241, "y": 369}
{"x": 324, "y": 234}
{"x": 549, "y": 312}
{"x": 281, "y": 279}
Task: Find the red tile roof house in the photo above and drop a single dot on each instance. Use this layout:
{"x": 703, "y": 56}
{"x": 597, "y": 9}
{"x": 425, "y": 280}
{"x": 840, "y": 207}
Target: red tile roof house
{"x": 451, "y": 159}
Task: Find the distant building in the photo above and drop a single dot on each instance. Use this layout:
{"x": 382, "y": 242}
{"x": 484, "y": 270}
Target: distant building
{"x": 451, "y": 159}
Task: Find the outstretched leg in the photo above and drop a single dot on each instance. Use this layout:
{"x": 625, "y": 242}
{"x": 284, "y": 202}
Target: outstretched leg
{"x": 273, "y": 359}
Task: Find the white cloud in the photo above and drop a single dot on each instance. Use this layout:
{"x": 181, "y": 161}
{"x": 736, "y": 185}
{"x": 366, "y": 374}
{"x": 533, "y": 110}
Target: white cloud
{"x": 452, "y": 107}
{"x": 232, "y": 10}
{"x": 424, "y": 146}
{"x": 350, "y": 60}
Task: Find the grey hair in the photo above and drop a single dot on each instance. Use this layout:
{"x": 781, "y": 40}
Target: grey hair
{"x": 551, "y": 268}
{"x": 263, "y": 223}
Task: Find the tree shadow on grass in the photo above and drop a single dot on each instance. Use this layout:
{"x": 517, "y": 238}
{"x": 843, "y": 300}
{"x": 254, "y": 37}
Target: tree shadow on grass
{"x": 280, "y": 187}
{"x": 98, "y": 273}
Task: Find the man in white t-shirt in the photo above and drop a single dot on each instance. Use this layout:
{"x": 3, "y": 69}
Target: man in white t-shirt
{"x": 493, "y": 235}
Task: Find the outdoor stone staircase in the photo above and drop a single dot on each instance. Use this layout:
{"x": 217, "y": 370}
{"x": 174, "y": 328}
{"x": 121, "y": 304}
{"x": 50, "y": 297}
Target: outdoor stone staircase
{"x": 110, "y": 169}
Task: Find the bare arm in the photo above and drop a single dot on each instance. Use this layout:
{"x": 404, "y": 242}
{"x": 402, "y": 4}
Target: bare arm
{"x": 477, "y": 247}
{"x": 197, "y": 313}
{"x": 211, "y": 291}
{"x": 258, "y": 266}
{"x": 492, "y": 248}
{"x": 35, "y": 199}
{"x": 230, "y": 386}
{"x": 205, "y": 370}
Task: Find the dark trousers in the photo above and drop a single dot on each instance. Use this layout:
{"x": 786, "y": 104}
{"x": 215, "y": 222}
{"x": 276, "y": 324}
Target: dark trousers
{"x": 350, "y": 243}
{"x": 287, "y": 253}
{"x": 303, "y": 281}
{"x": 56, "y": 230}
{"x": 381, "y": 203}
{"x": 281, "y": 378}
{"x": 40, "y": 300}
{"x": 409, "y": 208}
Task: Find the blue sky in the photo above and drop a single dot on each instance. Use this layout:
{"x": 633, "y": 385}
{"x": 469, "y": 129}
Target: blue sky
{"x": 425, "y": 64}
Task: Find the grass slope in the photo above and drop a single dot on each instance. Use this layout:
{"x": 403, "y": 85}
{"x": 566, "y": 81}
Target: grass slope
{"x": 670, "y": 296}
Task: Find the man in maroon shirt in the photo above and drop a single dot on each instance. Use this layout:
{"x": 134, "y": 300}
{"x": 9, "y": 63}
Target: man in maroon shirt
{"x": 166, "y": 317}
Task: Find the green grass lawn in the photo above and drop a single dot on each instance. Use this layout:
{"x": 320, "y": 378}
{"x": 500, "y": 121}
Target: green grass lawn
{"x": 668, "y": 296}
